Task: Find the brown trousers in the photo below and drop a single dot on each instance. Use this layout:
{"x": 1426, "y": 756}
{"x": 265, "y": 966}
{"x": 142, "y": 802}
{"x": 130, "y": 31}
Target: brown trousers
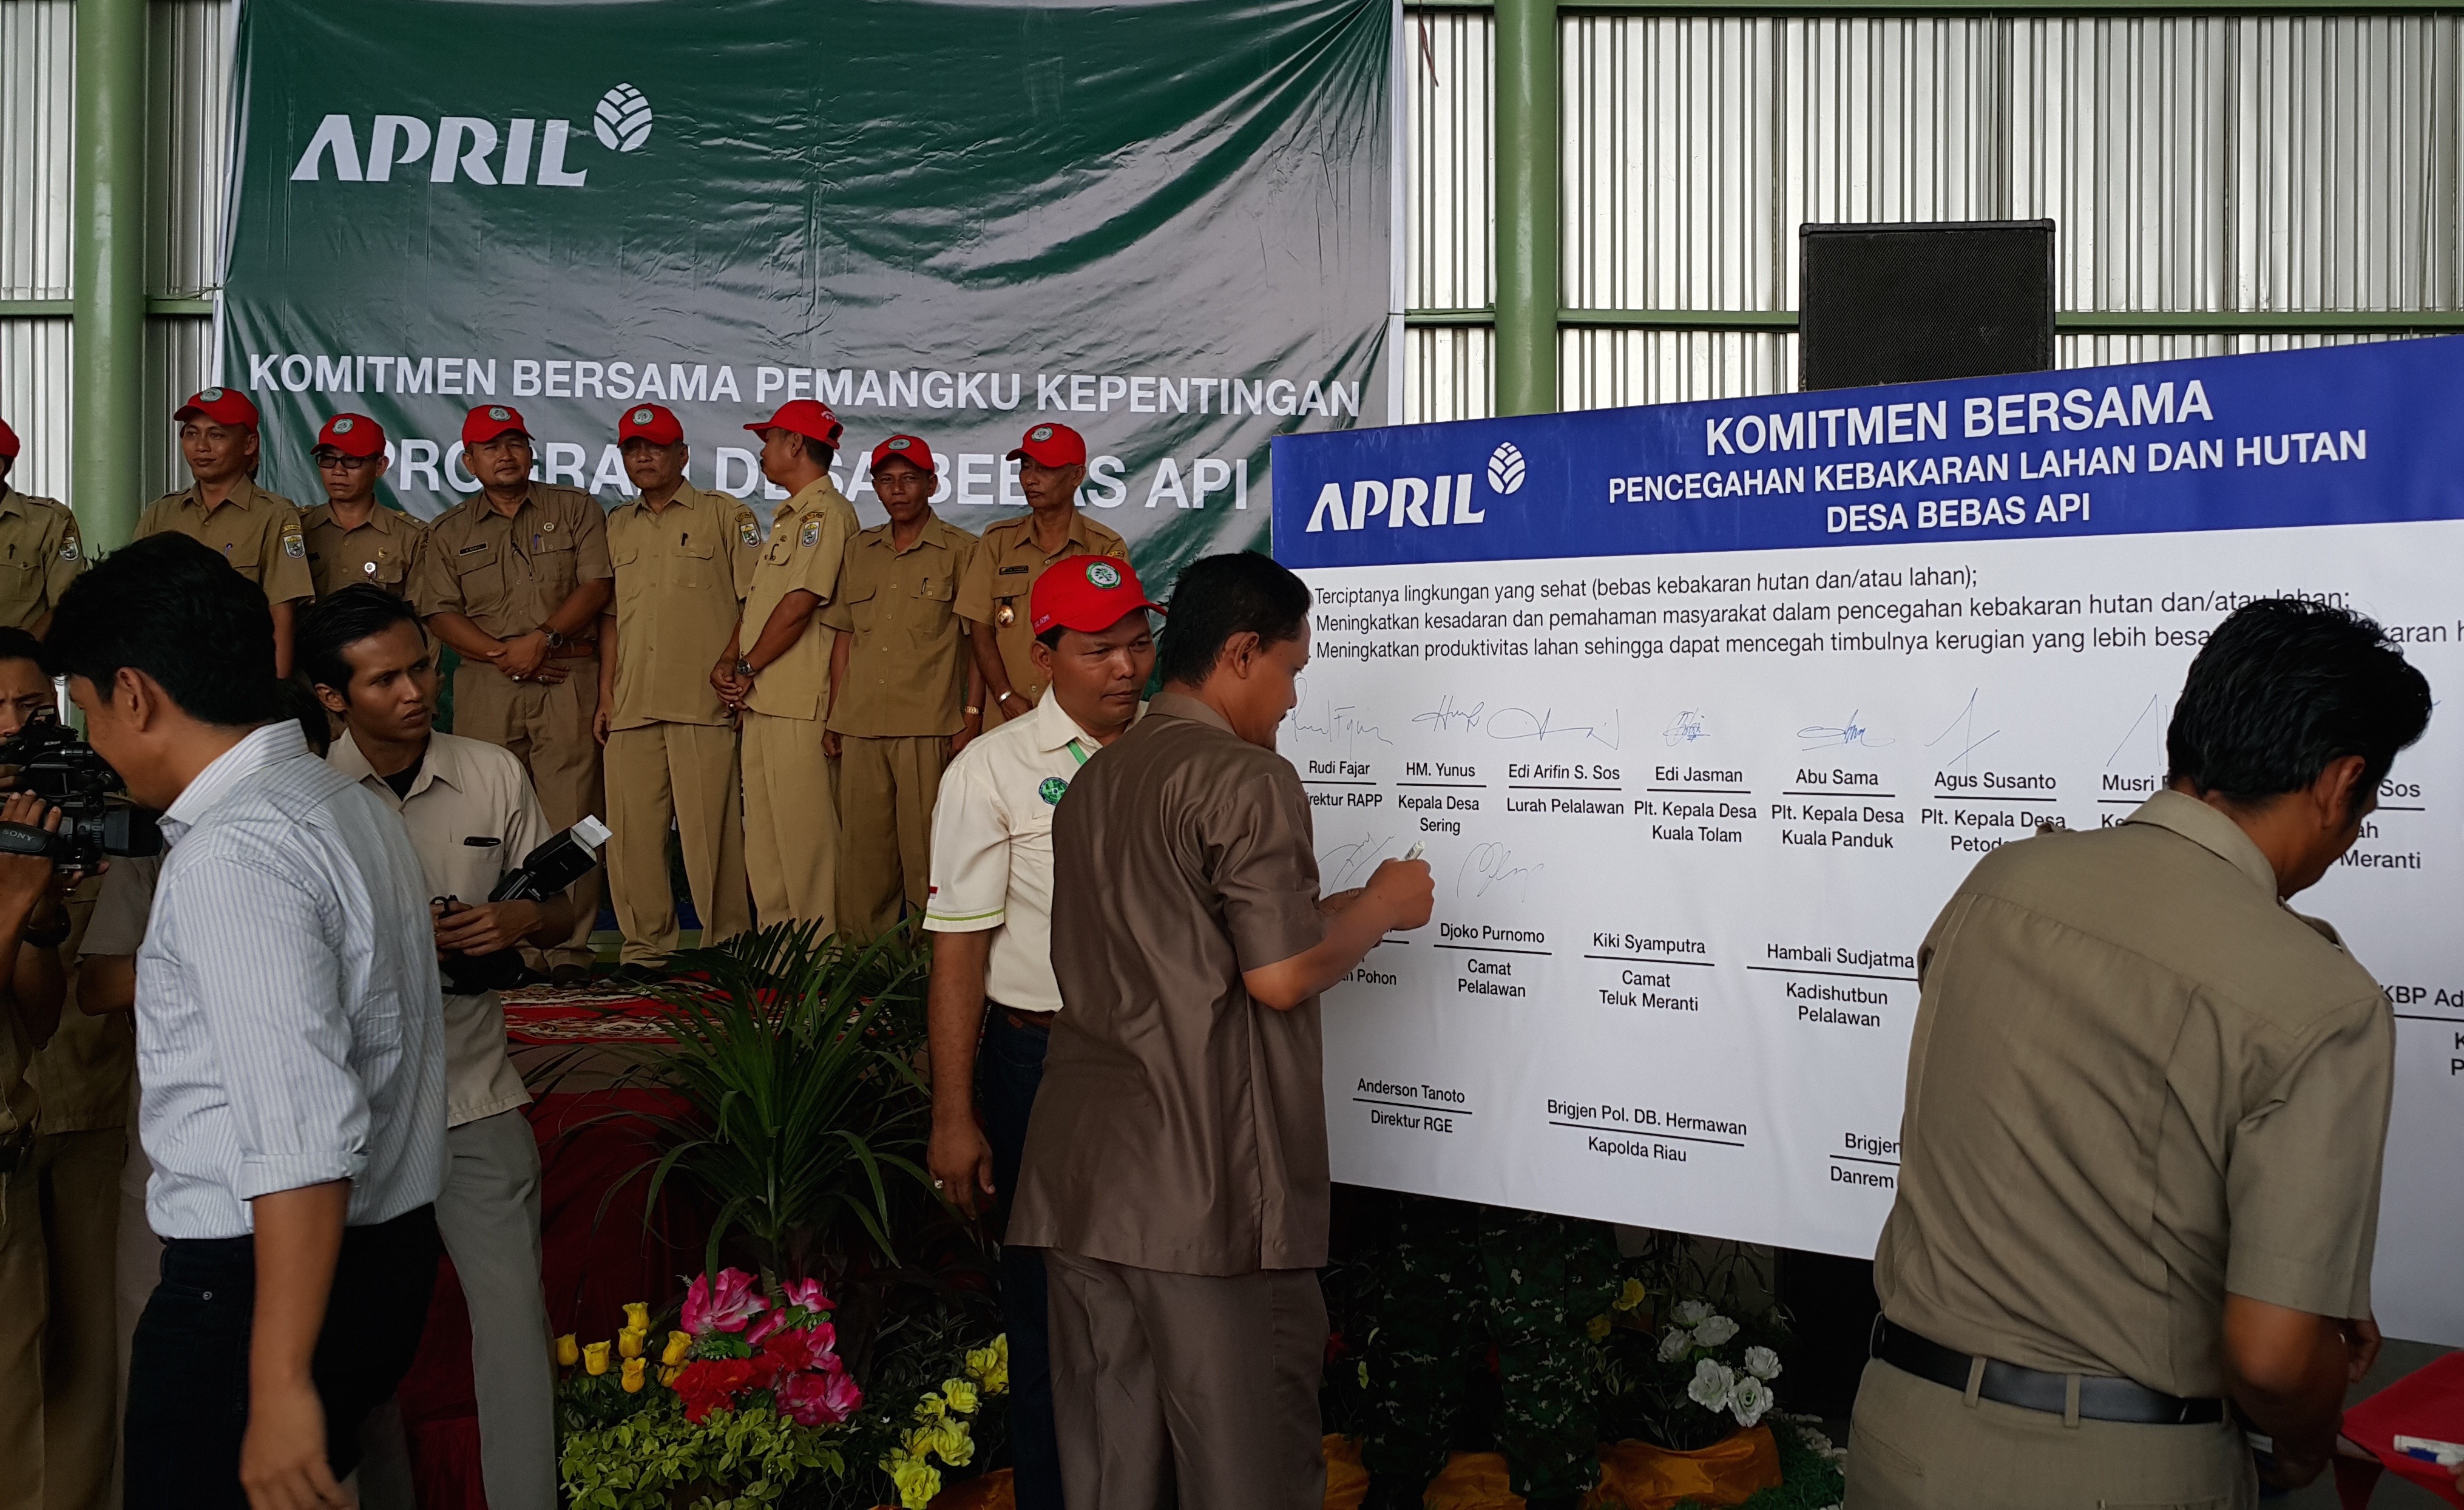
{"x": 682, "y": 775}
{"x": 1196, "y": 1382}
{"x": 1916, "y": 1445}
{"x": 791, "y": 822}
{"x": 886, "y": 792}
{"x": 60, "y": 1379}
{"x": 548, "y": 726}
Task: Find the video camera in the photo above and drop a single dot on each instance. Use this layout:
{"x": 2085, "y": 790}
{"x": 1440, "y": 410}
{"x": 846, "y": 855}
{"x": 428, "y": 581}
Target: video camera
{"x": 96, "y": 819}
{"x": 546, "y": 870}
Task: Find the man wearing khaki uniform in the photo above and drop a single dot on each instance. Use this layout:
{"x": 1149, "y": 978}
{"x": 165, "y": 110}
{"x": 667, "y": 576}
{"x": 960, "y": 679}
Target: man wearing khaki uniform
{"x": 683, "y": 560}
{"x": 41, "y": 552}
{"x": 777, "y": 671}
{"x": 351, "y": 536}
{"x": 515, "y": 577}
{"x": 898, "y": 682}
{"x": 259, "y": 533}
{"x": 1015, "y": 554}
{"x": 2146, "y": 1103}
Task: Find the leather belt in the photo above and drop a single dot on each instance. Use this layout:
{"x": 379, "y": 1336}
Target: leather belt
{"x": 575, "y": 650}
{"x": 2100, "y": 1397}
{"x": 1025, "y": 1021}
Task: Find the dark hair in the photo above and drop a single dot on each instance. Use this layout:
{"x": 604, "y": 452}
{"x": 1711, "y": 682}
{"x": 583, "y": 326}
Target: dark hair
{"x": 1220, "y": 596}
{"x": 301, "y": 700}
{"x": 16, "y": 645}
{"x": 341, "y": 619}
{"x": 2285, "y": 686}
{"x": 175, "y": 611}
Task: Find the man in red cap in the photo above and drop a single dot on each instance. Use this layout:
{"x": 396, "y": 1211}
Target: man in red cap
{"x": 41, "y": 552}
{"x": 991, "y": 910}
{"x": 351, "y": 536}
{"x": 1014, "y": 556}
{"x": 684, "y": 558}
{"x": 259, "y": 533}
{"x": 515, "y": 577}
{"x": 777, "y": 671}
{"x": 899, "y": 674}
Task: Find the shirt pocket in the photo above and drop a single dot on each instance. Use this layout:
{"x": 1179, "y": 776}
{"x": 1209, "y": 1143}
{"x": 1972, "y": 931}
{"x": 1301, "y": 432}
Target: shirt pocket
{"x": 21, "y": 584}
{"x": 478, "y": 575}
{"x": 633, "y": 573}
{"x": 863, "y": 605}
{"x": 696, "y": 566}
{"x": 388, "y": 571}
{"x": 929, "y": 603}
{"x": 553, "y": 567}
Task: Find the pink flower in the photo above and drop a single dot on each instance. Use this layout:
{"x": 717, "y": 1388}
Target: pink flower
{"x": 808, "y": 1293}
{"x": 776, "y": 1320}
{"x": 820, "y": 1399}
{"x": 796, "y": 1348}
{"x": 724, "y": 1308}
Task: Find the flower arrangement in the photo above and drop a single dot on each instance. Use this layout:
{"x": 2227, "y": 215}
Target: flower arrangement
{"x": 732, "y": 1411}
{"x": 940, "y": 1425}
{"x": 1691, "y": 1376}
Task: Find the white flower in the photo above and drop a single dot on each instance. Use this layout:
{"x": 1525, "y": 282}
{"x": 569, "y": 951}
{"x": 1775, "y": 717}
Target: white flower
{"x": 1716, "y": 1330}
{"x": 1762, "y": 1363}
{"x": 1749, "y": 1399}
{"x": 1676, "y": 1344}
{"x": 1690, "y": 1313}
{"x": 1712, "y": 1385}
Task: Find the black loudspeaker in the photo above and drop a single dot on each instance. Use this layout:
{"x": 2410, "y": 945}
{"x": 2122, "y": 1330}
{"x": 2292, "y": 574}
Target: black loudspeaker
{"x": 1909, "y": 303}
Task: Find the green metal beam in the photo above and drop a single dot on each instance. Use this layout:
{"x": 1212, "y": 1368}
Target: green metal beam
{"x": 1525, "y": 363}
{"x": 1975, "y": 8}
{"x": 2077, "y": 323}
{"x": 106, "y": 383}
{"x": 63, "y": 308}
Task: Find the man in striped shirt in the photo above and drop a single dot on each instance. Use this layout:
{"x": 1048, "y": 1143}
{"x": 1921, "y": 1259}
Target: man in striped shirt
{"x": 290, "y": 1048}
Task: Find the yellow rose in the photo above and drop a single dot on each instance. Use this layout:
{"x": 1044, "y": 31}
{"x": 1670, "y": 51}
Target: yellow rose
{"x": 918, "y": 1483}
{"x": 957, "y": 1448}
{"x": 637, "y": 1317}
{"x": 633, "y": 1377}
{"x": 679, "y": 1348}
{"x": 669, "y": 1376}
{"x": 1596, "y": 1328}
{"x": 568, "y": 1352}
{"x": 628, "y": 1342}
{"x": 961, "y": 1395}
{"x": 1632, "y": 1296}
{"x": 594, "y": 1358}
{"x": 932, "y": 1407}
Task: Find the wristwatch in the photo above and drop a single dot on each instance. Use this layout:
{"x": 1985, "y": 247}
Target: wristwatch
{"x": 555, "y": 641}
{"x": 972, "y": 711}
{"x": 743, "y": 668}
{"x": 1004, "y": 697}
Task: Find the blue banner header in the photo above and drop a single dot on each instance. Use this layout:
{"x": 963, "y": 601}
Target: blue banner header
{"x": 2342, "y": 435}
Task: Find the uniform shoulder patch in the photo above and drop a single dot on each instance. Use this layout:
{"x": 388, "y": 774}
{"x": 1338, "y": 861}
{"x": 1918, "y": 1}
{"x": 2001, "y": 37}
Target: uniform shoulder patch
{"x": 812, "y": 534}
{"x": 748, "y": 532}
{"x": 293, "y": 545}
{"x": 1052, "y": 789}
{"x": 69, "y": 549}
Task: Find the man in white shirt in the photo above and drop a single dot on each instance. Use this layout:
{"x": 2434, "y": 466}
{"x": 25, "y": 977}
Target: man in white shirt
{"x": 291, "y": 1051}
{"x": 991, "y": 905}
{"x": 472, "y": 819}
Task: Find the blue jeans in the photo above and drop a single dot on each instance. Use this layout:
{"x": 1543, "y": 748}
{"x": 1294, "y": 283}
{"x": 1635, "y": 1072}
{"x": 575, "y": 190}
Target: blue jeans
{"x": 1009, "y": 1067}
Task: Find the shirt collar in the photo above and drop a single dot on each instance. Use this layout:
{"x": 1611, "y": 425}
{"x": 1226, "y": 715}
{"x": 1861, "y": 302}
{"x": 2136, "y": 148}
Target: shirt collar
{"x": 2211, "y": 830}
{"x": 1179, "y": 705}
{"x": 437, "y": 763}
{"x": 11, "y": 501}
{"x": 265, "y": 745}
{"x": 811, "y": 495}
{"x": 1053, "y": 729}
{"x": 243, "y": 493}
{"x": 932, "y": 533}
{"x": 323, "y": 514}
{"x": 687, "y": 497}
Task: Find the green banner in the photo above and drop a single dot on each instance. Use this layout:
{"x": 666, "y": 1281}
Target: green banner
{"x": 1170, "y": 225}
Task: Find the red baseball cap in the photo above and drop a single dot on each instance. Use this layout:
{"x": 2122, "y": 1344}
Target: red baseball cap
{"x": 489, "y": 420}
{"x": 654, "y": 422}
{"x": 8, "y": 440}
{"x": 222, "y": 405}
{"x": 909, "y": 448}
{"x": 1053, "y": 446}
{"x": 353, "y": 435}
{"x": 807, "y": 417}
{"x": 1086, "y": 593}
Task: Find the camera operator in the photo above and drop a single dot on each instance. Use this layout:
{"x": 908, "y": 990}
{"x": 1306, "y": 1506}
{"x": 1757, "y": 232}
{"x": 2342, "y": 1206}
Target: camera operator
{"x": 292, "y": 1053}
{"x": 473, "y": 817}
{"x": 58, "y": 1374}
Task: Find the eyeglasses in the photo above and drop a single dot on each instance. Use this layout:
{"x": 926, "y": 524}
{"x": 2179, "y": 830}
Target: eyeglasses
{"x": 335, "y": 461}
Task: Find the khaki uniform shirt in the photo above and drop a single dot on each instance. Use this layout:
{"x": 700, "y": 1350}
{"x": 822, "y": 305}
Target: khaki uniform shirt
{"x": 992, "y": 848}
{"x": 2138, "y": 1081}
{"x": 808, "y": 542}
{"x": 40, "y": 554}
{"x": 473, "y": 817}
{"x": 906, "y": 670}
{"x": 85, "y": 1073}
{"x": 257, "y": 532}
{"x": 384, "y": 551}
{"x": 1180, "y": 1126}
{"x": 508, "y": 574}
{"x": 996, "y": 585}
{"x": 680, "y": 579}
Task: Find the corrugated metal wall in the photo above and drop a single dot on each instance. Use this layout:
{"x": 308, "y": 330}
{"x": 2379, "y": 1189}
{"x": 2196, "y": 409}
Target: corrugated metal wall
{"x": 2193, "y": 164}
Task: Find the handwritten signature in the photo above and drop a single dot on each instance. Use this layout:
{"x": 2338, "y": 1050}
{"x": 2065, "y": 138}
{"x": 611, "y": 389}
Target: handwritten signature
{"x": 1446, "y": 718}
{"x": 1688, "y": 728}
{"x": 2133, "y": 729}
{"x": 1827, "y": 736}
{"x": 1489, "y": 866}
{"x": 1964, "y": 728}
{"x": 1344, "y": 861}
{"x": 1336, "y": 723}
{"x": 1522, "y": 723}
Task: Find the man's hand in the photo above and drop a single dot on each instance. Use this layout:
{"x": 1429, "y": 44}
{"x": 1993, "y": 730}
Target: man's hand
{"x": 961, "y": 1160}
{"x": 283, "y": 1459}
{"x": 1405, "y": 891}
{"x": 830, "y": 743}
{"x": 968, "y": 734}
{"x": 524, "y": 655}
{"x": 487, "y": 927}
{"x": 599, "y": 720}
{"x": 1399, "y": 897}
{"x": 25, "y": 880}
{"x": 2362, "y": 1340}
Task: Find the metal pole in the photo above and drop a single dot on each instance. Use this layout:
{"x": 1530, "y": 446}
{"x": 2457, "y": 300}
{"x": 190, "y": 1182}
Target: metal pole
{"x": 1526, "y": 359}
{"x": 108, "y": 224}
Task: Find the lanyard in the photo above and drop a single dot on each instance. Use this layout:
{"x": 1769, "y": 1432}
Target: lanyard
{"x": 1078, "y": 752}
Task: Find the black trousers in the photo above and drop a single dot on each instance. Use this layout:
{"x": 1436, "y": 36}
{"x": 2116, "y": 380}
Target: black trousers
{"x": 1008, "y": 1069}
{"x": 187, "y": 1370}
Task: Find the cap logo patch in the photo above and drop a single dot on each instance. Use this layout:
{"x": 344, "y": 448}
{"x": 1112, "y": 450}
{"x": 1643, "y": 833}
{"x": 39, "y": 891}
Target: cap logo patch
{"x": 641, "y": 416}
{"x": 1053, "y": 789}
{"x": 497, "y": 411}
{"x": 900, "y": 444}
{"x": 1105, "y": 577}
{"x": 212, "y": 396}
{"x": 344, "y": 427}
{"x": 1041, "y": 433}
